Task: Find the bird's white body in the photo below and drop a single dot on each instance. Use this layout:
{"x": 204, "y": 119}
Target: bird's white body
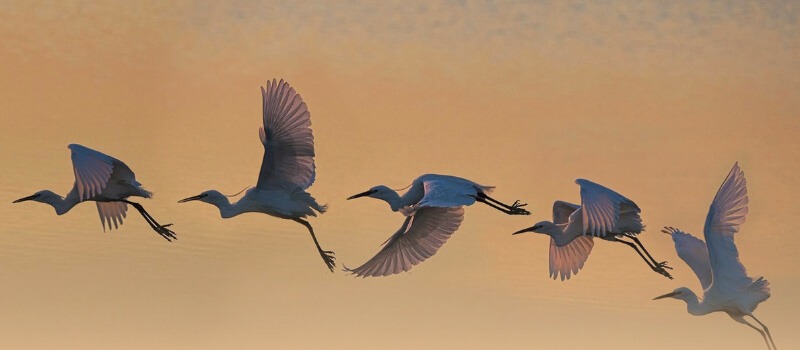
{"x": 627, "y": 221}
{"x": 726, "y": 284}
{"x": 433, "y": 209}
{"x": 432, "y": 190}
{"x": 604, "y": 214}
{"x": 287, "y": 168}
{"x": 105, "y": 180}
{"x": 281, "y": 204}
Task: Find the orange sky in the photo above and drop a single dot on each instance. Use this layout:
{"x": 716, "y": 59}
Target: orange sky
{"x": 655, "y": 101}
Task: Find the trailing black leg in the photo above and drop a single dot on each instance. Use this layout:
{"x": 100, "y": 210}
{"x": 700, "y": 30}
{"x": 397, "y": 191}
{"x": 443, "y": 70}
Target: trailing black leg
{"x": 744, "y": 322}
{"x": 662, "y": 264}
{"x": 765, "y": 330}
{"x": 327, "y": 256}
{"x": 160, "y": 229}
{"x": 504, "y": 210}
{"x": 653, "y": 267}
{"x": 513, "y": 209}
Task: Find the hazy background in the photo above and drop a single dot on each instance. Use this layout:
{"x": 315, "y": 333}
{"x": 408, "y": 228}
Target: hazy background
{"x": 654, "y": 100}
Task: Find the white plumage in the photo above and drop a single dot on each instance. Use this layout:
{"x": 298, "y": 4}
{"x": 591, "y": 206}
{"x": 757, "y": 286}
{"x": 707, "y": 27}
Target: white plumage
{"x": 694, "y": 252}
{"x": 288, "y": 142}
{"x": 108, "y": 182}
{"x": 92, "y": 170}
{"x": 726, "y": 285}
{"x": 111, "y": 212}
{"x": 604, "y": 210}
{"x": 419, "y": 238}
{"x": 603, "y": 213}
{"x": 433, "y": 206}
{"x": 287, "y": 168}
{"x": 567, "y": 260}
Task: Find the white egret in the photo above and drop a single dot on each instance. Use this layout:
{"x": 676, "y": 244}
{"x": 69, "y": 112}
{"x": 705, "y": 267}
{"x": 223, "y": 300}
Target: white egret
{"x": 603, "y": 213}
{"x": 433, "y": 209}
{"x": 726, "y": 285}
{"x": 287, "y": 168}
{"x": 108, "y": 182}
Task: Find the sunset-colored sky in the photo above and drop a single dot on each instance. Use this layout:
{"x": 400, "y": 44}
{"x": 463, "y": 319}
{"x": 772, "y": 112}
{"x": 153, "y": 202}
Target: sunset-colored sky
{"x": 654, "y": 100}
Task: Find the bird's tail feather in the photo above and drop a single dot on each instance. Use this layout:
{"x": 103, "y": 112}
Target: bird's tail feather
{"x": 758, "y": 292}
{"x": 761, "y": 286}
{"x": 485, "y": 189}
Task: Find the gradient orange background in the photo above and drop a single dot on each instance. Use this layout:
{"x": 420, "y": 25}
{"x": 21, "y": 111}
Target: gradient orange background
{"x": 656, "y": 101}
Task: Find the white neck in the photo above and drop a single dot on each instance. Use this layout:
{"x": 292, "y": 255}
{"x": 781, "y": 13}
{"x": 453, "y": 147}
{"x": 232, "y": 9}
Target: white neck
{"x": 226, "y": 209}
{"x": 395, "y": 201}
{"x": 693, "y": 305}
{"x": 63, "y": 205}
{"x": 558, "y": 234}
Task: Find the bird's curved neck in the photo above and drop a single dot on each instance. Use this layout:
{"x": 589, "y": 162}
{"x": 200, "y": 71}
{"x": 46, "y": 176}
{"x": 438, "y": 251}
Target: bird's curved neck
{"x": 63, "y": 205}
{"x": 559, "y": 235}
{"x": 226, "y": 208}
{"x": 395, "y": 200}
{"x": 693, "y": 305}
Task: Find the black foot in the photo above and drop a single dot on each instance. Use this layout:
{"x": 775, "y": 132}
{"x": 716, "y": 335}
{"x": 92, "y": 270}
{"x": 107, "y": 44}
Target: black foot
{"x": 516, "y": 209}
{"x": 166, "y": 233}
{"x": 662, "y": 269}
{"x": 328, "y": 257}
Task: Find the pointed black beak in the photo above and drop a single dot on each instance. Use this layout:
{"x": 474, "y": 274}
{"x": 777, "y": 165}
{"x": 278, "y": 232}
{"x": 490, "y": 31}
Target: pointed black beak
{"x": 26, "y": 198}
{"x": 362, "y": 194}
{"x": 529, "y": 229}
{"x": 199, "y": 196}
{"x": 667, "y": 295}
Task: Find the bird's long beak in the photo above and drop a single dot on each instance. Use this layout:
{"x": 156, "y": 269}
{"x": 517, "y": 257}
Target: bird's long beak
{"x": 25, "y": 198}
{"x": 191, "y": 198}
{"x": 529, "y": 229}
{"x": 362, "y": 194}
{"x": 667, "y": 295}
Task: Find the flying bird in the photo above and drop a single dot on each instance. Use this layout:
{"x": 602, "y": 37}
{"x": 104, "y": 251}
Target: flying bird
{"x": 287, "y": 169}
{"x": 433, "y": 209}
{"x": 604, "y": 214}
{"x": 726, "y": 285}
{"x": 108, "y": 182}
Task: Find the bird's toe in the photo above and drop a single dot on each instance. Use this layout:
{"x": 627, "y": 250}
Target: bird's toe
{"x": 168, "y": 234}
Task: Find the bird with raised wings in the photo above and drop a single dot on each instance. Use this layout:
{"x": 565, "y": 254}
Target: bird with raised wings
{"x": 287, "y": 169}
{"x": 726, "y": 285}
{"x": 108, "y": 182}
{"x": 433, "y": 209}
{"x": 604, "y": 214}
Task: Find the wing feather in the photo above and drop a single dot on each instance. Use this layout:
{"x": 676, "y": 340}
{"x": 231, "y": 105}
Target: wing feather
{"x": 693, "y": 251}
{"x": 288, "y": 141}
{"x": 567, "y": 260}
{"x": 419, "y": 238}
{"x": 111, "y": 212}
{"x": 92, "y": 170}
{"x": 725, "y": 215}
{"x": 601, "y": 208}
{"x": 562, "y": 210}
{"x": 448, "y": 191}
